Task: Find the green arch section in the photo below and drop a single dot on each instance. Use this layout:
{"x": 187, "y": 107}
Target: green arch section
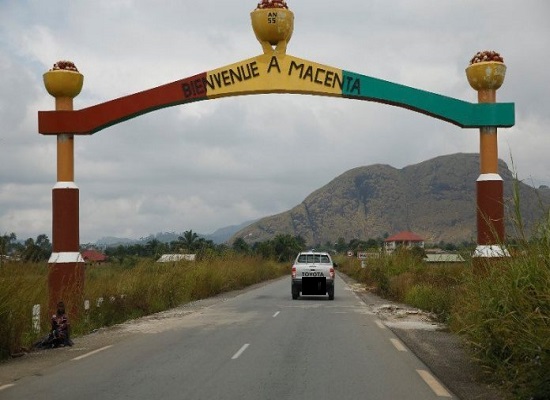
{"x": 458, "y": 112}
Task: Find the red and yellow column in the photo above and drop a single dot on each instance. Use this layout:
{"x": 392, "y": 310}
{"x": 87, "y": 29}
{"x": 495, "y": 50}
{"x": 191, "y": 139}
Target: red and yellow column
{"x": 486, "y": 77}
{"x": 66, "y": 265}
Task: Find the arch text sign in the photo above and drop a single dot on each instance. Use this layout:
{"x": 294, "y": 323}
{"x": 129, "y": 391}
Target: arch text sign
{"x": 270, "y": 73}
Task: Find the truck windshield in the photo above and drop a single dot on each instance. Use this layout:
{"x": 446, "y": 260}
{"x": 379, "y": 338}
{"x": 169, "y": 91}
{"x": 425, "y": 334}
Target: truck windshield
{"x": 313, "y": 258}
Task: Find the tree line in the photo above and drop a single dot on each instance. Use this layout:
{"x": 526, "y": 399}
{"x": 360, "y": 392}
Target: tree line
{"x": 31, "y": 250}
{"x": 282, "y": 247}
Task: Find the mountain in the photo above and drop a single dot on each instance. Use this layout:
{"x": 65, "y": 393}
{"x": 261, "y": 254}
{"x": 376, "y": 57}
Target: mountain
{"x": 435, "y": 199}
{"x": 109, "y": 241}
{"x": 221, "y": 235}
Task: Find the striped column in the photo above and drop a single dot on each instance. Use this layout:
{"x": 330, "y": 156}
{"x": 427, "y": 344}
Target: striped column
{"x": 486, "y": 78}
{"x": 66, "y": 265}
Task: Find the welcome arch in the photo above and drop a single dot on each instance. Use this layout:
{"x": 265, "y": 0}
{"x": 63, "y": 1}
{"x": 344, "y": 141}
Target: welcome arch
{"x": 273, "y": 71}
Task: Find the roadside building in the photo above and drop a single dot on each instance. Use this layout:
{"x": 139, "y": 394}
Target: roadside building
{"x": 404, "y": 239}
{"x": 91, "y": 256}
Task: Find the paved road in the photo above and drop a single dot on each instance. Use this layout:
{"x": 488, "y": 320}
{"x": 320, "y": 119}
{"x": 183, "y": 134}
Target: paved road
{"x": 258, "y": 345}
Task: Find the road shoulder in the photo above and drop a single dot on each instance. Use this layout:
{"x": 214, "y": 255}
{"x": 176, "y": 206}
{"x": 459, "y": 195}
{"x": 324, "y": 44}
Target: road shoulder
{"x": 442, "y": 351}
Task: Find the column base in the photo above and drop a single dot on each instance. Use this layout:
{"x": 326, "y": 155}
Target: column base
{"x": 66, "y": 282}
{"x": 490, "y": 251}
{"x": 488, "y": 258}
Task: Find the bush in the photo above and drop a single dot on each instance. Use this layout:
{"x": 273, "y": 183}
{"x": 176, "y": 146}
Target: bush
{"x": 430, "y": 298}
{"x": 404, "y": 277}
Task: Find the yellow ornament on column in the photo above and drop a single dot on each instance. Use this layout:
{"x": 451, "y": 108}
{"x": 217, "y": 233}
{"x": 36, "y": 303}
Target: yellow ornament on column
{"x": 64, "y": 82}
{"x": 273, "y": 24}
{"x": 486, "y": 75}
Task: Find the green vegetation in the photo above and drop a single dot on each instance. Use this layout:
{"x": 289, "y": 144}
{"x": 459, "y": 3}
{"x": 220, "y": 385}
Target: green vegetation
{"x": 21, "y": 287}
{"x": 504, "y": 314}
{"x": 406, "y": 278}
{"x": 31, "y": 251}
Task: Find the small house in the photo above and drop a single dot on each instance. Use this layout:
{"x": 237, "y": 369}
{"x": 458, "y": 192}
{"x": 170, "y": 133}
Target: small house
{"x": 91, "y": 256}
{"x": 404, "y": 239}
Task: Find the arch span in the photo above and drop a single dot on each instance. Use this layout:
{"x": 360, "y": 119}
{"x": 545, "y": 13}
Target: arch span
{"x": 275, "y": 73}
{"x": 271, "y": 72}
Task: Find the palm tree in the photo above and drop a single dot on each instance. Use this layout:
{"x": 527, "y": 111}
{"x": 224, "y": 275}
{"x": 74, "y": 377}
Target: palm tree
{"x": 154, "y": 248}
{"x": 189, "y": 240}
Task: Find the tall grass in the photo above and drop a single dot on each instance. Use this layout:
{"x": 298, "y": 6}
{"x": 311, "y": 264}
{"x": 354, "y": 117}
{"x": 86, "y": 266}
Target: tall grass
{"x": 21, "y": 287}
{"x": 505, "y": 317}
{"x": 126, "y": 291}
{"x": 405, "y": 278}
{"x": 505, "y": 312}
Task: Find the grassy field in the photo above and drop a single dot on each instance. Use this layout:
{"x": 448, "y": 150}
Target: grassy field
{"x": 126, "y": 292}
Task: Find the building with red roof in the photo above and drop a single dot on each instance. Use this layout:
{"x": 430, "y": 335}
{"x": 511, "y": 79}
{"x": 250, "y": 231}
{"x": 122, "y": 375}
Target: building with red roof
{"x": 93, "y": 256}
{"x": 404, "y": 239}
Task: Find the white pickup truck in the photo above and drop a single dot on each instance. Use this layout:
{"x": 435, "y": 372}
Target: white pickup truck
{"x": 313, "y": 274}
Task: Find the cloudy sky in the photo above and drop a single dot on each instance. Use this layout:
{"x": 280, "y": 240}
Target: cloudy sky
{"x": 216, "y": 163}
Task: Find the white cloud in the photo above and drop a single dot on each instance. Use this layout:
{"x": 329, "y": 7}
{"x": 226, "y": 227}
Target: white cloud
{"x": 210, "y": 164}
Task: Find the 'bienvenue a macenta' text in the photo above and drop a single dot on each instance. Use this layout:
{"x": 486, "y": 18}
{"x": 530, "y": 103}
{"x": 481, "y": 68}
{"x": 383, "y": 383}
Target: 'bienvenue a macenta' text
{"x": 247, "y": 71}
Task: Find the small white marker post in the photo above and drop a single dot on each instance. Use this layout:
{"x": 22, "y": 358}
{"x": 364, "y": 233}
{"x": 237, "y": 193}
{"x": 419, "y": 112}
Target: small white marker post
{"x": 36, "y": 318}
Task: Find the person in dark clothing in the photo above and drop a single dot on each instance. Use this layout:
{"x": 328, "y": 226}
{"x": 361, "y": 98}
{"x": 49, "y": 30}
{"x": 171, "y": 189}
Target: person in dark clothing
{"x": 60, "y": 327}
{"x": 59, "y": 333}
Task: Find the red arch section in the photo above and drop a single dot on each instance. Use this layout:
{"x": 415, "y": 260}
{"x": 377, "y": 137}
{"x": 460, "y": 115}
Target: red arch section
{"x": 92, "y": 119}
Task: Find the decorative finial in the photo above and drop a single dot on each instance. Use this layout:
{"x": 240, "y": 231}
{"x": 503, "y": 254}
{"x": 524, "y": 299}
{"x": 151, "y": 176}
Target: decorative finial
{"x": 273, "y": 23}
{"x": 63, "y": 80}
{"x": 486, "y": 70}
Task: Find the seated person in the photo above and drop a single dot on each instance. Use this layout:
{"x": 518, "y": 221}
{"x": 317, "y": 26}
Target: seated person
{"x": 60, "y": 327}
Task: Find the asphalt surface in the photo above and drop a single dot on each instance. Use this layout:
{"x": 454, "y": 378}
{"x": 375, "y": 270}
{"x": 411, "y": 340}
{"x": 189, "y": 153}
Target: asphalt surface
{"x": 257, "y": 343}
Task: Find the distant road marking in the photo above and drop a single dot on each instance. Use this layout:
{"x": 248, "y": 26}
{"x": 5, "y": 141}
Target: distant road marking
{"x": 380, "y": 325}
{"x": 9, "y": 385}
{"x": 433, "y": 383}
{"x": 241, "y": 351}
{"x": 398, "y": 345}
{"x": 277, "y": 313}
{"x": 91, "y": 353}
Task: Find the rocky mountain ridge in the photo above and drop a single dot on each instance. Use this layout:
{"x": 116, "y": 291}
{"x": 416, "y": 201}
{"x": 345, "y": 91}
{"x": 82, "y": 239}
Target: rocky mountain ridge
{"x": 435, "y": 199}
